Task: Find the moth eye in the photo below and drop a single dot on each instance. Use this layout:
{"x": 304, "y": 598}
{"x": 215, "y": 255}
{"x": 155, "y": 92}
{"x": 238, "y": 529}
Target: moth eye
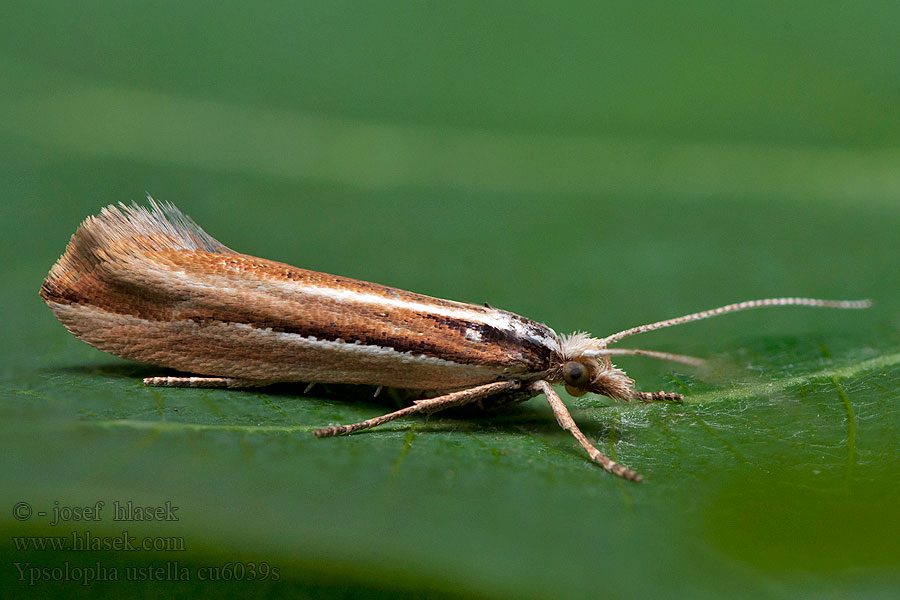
{"x": 576, "y": 374}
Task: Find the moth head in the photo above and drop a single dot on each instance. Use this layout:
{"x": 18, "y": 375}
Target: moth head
{"x": 585, "y": 366}
{"x": 586, "y": 374}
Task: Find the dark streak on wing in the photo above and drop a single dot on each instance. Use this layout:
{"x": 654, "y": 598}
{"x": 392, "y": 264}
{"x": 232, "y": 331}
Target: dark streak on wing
{"x": 532, "y": 353}
{"x": 506, "y": 350}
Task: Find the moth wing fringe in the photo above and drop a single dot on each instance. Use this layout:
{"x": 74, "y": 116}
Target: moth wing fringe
{"x": 118, "y": 229}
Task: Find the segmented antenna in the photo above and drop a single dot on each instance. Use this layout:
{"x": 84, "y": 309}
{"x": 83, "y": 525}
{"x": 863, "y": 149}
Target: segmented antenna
{"x": 714, "y": 312}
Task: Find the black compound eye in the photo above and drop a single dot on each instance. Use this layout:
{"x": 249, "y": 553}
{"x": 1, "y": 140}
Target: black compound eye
{"x": 576, "y": 374}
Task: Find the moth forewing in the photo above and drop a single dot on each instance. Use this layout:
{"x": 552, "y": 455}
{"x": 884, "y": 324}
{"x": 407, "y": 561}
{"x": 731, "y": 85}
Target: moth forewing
{"x": 149, "y": 284}
{"x": 136, "y": 283}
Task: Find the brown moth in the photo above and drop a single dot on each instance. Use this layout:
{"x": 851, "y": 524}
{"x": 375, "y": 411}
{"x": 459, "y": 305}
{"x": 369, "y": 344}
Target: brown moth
{"x": 148, "y": 284}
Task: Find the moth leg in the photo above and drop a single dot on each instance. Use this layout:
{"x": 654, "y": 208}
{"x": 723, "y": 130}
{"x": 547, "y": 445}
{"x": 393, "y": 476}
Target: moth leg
{"x": 565, "y": 420}
{"x": 658, "y": 396}
{"x": 427, "y": 405}
{"x": 204, "y": 382}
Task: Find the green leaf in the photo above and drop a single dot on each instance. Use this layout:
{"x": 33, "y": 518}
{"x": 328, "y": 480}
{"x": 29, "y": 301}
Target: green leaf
{"x": 594, "y": 175}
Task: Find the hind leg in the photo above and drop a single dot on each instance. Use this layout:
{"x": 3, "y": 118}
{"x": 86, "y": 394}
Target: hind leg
{"x": 204, "y": 382}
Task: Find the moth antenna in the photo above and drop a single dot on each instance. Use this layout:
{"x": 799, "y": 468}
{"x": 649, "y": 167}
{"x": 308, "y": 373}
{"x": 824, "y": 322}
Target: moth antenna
{"x": 728, "y": 308}
{"x": 679, "y": 358}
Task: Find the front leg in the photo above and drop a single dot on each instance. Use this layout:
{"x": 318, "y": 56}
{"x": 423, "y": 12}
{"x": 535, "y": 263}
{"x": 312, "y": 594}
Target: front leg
{"x": 658, "y": 396}
{"x": 565, "y": 420}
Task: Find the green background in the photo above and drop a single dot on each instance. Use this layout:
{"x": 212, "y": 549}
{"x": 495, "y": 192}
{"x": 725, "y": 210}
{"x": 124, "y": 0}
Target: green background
{"x": 592, "y": 167}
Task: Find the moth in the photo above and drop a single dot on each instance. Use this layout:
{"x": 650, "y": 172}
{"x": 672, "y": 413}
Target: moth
{"x": 148, "y": 284}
